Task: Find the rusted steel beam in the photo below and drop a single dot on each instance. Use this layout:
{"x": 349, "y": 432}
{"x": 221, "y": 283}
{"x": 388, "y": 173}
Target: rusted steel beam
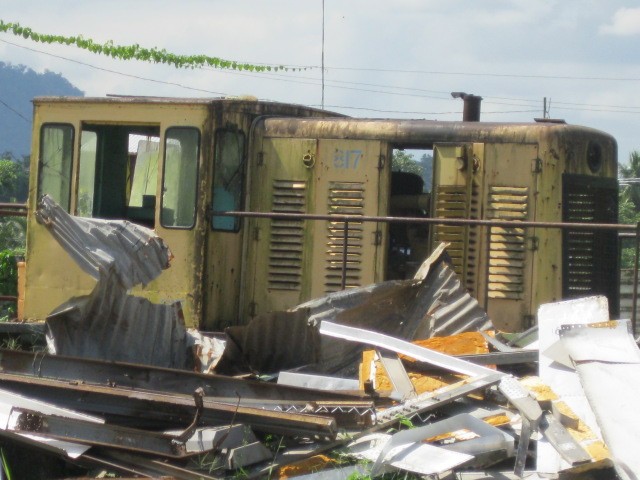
{"x": 144, "y": 466}
{"x": 95, "y": 434}
{"x": 129, "y": 375}
{"x": 138, "y": 408}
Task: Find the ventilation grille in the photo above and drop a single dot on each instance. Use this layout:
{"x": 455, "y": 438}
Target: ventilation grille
{"x": 507, "y": 245}
{"x": 454, "y": 201}
{"x": 590, "y": 258}
{"x": 472, "y": 242}
{"x": 451, "y": 202}
{"x": 286, "y": 238}
{"x": 345, "y": 198}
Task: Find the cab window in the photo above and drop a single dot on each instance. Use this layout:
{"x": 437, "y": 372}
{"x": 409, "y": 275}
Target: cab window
{"x": 180, "y": 182}
{"x": 56, "y": 160}
{"x": 228, "y": 177}
{"x": 118, "y": 172}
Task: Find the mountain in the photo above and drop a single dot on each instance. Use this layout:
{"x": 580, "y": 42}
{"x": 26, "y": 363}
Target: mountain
{"x": 18, "y": 86}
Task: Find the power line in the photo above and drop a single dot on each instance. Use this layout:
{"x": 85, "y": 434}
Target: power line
{"x": 476, "y": 74}
{"x": 420, "y": 113}
{"x": 16, "y": 112}
{"x": 116, "y": 72}
{"x": 588, "y": 107}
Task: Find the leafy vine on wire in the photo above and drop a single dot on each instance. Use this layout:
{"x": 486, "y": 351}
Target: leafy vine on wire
{"x": 136, "y": 52}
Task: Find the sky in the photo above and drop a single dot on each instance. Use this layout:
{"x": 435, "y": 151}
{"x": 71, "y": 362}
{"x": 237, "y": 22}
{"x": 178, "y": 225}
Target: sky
{"x": 394, "y": 59}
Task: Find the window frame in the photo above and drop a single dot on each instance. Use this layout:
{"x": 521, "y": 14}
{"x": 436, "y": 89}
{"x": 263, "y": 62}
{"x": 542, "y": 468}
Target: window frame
{"x": 165, "y": 136}
{"x": 71, "y": 163}
{"x": 243, "y": 162}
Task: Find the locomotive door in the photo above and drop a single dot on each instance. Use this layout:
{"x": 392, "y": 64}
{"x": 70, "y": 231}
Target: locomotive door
{"x": 290, "y": 261}
{"x": 457, "y": 182}
{"x": 510, "y": 192}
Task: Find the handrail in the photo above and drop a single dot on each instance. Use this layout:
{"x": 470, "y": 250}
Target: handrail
{"x": 13, "y": 209}
{"x": 430, "y": 220}
{"x": 624, "y": 230}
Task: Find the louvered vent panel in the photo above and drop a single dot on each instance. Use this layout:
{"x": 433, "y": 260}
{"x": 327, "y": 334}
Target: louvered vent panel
{"x": 590, "y": 258}
{"x": 286, "y": 238}
{"x": 451, "y": 202}
{"x": 507, "y": 245}
{"x": 472, "y": 241}
{"x": 345, "y": 198}
{"x": 580, "y": 245}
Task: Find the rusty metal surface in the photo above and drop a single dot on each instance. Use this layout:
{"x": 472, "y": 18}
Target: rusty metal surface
{"x": 146, "y": 467}
{"x": 422, "y": 133}
{"x": 141, "y": 409}
{"x": 128, "y": 375}
{"x": 407, "y": 309}
{"x": 410, "y": 310}
{"x": 89, "y": 433}
{"x": 256, "y": 107}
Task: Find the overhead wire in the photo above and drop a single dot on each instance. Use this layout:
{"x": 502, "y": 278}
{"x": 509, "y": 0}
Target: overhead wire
{"x": 300, "y": 80}
{"x": 137, "y": 77}
{"x": 15, "y": 111}
{"x": 418, "y": 112}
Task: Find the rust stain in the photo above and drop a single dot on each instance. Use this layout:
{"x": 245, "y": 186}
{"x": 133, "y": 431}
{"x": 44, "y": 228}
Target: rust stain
{"x": 497, "y": 420}
{"x": 458, "y": 436}
{"x": 460, "y": 344}
{"x": 610, "y": 324}
{"x": 586, "y": 438}
{"x": 422, "y": 383}
{"x": 467, "y": 343}
{"x": 540, "y": 390}
{"x": 306, "y": 466}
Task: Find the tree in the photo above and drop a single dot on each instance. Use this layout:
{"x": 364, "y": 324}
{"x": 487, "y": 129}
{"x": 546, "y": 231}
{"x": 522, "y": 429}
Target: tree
{"x": 426, "y": 162}
{"x": 632, "y": 171}
{"x": 14, "y": 188}
{"x": 629, "y": 204}
{"x": 405, "y": 162}
{"x": 14, "y": 179}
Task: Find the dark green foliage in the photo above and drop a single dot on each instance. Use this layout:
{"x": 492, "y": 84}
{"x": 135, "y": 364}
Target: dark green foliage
{"x": 629, "y": 206}
{"x": 9, "y": 280}
{"x": 403, "y": 161}
{"x": 14, "y": 179}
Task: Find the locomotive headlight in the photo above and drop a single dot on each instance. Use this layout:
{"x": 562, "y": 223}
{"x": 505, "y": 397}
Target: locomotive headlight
{"x": 594, "y": 157}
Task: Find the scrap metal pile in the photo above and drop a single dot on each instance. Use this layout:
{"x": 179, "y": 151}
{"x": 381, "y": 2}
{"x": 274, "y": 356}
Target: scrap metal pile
{"x": 402, "y": 377}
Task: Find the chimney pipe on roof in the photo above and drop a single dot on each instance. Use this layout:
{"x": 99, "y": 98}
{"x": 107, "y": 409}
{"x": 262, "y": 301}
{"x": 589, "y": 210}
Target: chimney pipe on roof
{"x": 471, "y": 111}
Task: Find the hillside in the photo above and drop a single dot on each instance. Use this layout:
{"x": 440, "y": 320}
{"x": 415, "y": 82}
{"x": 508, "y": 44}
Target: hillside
{"x": 18, "y": 86}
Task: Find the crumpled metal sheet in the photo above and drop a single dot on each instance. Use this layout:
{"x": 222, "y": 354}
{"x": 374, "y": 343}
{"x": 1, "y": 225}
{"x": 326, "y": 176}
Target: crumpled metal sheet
{"x": 109, "y": 323}
{"x": 436, "y": 303}
{"x": 133, "y": 254}
{"x": 270, "y": 343}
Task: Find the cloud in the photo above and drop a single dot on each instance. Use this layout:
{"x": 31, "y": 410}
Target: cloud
{"x": 625, "y": 22}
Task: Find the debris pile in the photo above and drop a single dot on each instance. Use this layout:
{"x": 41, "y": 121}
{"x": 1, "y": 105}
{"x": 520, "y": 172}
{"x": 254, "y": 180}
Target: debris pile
{"x": 403, "y": 377}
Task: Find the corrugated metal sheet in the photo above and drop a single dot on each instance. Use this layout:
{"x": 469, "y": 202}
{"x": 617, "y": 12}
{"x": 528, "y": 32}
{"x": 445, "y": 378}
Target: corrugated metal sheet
{"x": 436, "y": 305}
{"x": 109, "y": 323}
{"x": 134, "y": 254}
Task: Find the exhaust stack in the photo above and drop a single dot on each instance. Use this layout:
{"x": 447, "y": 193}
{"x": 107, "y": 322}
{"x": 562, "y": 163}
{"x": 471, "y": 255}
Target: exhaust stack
{"x": 471, "y": 110}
